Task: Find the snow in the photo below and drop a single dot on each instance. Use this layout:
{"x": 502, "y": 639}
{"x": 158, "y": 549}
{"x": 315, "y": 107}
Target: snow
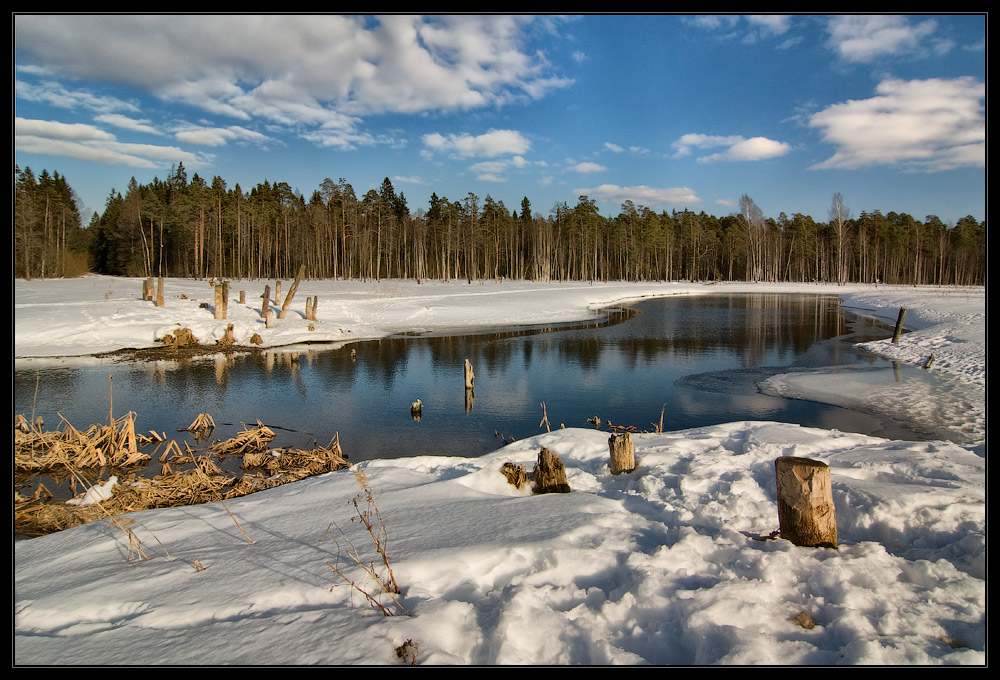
{"x": 659, "y": 566}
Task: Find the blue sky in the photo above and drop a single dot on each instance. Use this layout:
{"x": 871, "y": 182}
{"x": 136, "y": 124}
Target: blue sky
{"x": 667, "y": 111}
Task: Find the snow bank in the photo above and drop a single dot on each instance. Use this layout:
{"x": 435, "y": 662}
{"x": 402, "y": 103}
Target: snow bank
{"x": 658, "y": 566}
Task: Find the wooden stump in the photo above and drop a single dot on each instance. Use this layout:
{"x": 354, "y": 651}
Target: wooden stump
{"x": 269, "y": 319}
{"x": 147, "y": 288}
{"x": 622, "y": 453}
{"x": 225, "y": 299}
{"x": 899, "y": 325}
{"x": 291, "y": 292}
{"x": 470, "y": 376}
{"x": 220, "y": 310}
{"x": 549, "y": 473}
{"x": 806, "y": 514}
{"x": 159, "y": 291}
{"x": 267, "y": 300}
{"x": 243, "y": 297}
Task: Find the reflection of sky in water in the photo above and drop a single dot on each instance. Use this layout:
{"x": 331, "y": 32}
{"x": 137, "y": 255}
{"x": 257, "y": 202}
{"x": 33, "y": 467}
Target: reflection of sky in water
{"x": 624, "y": 372}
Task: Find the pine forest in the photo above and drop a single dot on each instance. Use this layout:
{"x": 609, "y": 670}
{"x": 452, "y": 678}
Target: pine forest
{"x": 183, "y": 227}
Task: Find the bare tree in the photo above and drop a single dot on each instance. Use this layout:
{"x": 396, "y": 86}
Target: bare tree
{"x": 839, "y": 215}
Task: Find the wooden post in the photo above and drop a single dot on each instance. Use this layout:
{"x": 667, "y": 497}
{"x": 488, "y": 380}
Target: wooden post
{"x": 550, "y": 473}
{"x": 220, "y": 310}
{"x": 899, "y": 325}
{"x": 291, "y": 292}
{"x": 622, "y": 453}
{"x": 315, "y": 304}
{"x": 243, "y": 297}
{"x": 806, "y": 514}
{"x": 159, "y": 292}
{"x": 269, "y": 319}
{"x": 225, "y": 299}
{"x": 470, "y": 376}
{"x": 267, "y": 300}
{"x": 277, "y": 291}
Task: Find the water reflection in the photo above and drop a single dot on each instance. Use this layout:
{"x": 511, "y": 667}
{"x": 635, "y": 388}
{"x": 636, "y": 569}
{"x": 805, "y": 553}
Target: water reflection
{"x": 697, "y": 356}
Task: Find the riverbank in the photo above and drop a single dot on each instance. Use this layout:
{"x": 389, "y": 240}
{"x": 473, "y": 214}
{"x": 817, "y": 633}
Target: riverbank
{"x": 660, "y": 566}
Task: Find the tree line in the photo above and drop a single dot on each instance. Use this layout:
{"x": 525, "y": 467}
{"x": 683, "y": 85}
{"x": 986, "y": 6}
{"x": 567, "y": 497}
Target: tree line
{"x": 198, "y": 228}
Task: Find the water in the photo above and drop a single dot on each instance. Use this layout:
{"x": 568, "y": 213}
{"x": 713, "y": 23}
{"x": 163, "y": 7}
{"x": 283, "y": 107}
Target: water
{"x": 695, "y": 358}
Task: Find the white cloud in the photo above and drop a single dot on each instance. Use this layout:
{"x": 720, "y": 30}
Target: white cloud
{"x": 653, "y": 197}
{"x": 774, "y": 24}
{"x": 613, "y": 147}
{"x": 296, "y": 69}
{"x": 737, "y": 148}
{"x": 128, "y": 123}
{"x": 90, "y": 143}
{"x": 488, "y": 144}
{"x": 55, "y": 130}
{"x": 863, "y": 38}
{"x": 218, "y": 136}
{"x": 61, "y": 97}
{"x": 585, "y": 167}
{"x": 927, "y": 125}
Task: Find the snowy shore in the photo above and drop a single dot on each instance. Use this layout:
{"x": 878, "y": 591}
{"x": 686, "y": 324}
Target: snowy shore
{"x": 660, "y": 566}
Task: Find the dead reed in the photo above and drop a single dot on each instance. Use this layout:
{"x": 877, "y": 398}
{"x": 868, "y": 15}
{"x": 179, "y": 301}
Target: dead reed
{"x": 69, "y": 452}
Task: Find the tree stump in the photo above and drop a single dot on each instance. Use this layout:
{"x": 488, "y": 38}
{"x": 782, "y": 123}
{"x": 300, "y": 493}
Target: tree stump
{"x": 806, "y": 514}
{"x": 549, "y": 473}
{"x": 159, "y": 291}
{"x": 243, "y": 297}
{"x": 291, "y": 292}
{"x": 220, "y": 309}
{"x": 899, "y": 325}
{"x": 622, "y": 453}
{"x": 269, "y": 319}
{"x": 267, "y": 300}
{"x": 470, "y": 376}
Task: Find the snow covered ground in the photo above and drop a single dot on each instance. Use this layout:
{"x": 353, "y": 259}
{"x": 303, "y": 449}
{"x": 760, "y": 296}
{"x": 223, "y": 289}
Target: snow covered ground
{"x": 657, "y": 566}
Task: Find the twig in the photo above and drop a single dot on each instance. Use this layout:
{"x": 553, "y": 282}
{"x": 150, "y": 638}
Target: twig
{"x": 236, "y": 523}
{"x": 545, "y": 419}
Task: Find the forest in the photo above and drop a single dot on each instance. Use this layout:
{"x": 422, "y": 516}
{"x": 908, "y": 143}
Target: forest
{"x": 196, "y": 228}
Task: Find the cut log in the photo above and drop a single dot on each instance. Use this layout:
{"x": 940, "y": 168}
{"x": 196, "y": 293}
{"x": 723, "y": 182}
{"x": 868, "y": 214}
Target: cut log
{"x": 550, "y": 473}
{"x": 806, "y": 514}
{"x": 622, "y": 453}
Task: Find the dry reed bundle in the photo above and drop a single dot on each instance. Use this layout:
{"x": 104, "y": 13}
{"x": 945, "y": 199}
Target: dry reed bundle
{"x": 249, "y": 440}
{"x": 201, "y": 425}
{"x": 301, "y": 462}
{"x": 116, "y": 445}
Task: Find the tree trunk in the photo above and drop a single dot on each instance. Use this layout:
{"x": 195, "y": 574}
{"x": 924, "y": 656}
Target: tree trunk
{"x": 806, "y": 514}
{"x": 622, "y": 453}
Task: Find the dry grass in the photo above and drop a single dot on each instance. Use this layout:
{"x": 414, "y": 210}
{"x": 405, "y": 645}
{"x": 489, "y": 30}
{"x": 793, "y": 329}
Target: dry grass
{"x": 77, "y": 455}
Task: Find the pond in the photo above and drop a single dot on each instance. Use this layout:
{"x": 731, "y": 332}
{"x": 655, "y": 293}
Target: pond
{"x": 691, "y": 361}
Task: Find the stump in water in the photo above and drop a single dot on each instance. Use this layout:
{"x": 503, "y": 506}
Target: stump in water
{"x": 470, "y": 376}
{"x": 622, "y": 453}
{"x": 806, "y": 514}
{"x": 550, "y": 473}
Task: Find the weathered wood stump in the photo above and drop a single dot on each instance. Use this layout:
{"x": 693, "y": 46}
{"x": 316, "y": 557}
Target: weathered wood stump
{"x": 243, "y": 297}
{"x": 470, "y": 376}
{"x": 269, "y": 319}
{"x": 622, "y": 453}
{"x": 266, "y": 300}
{"x": 514, "y": 473}
{"x": 549, "y": 473}
{"x": 147, "y": 288}
{"x": 899, "y": 325}
{"x": 806, "y": 514}
{"x": 159, "y": 291}
{"x": 291, "y": 292}
{"x": 220, "y": 308}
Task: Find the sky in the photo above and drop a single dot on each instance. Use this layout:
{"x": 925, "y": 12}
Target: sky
{"x": 667, "y": 111}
